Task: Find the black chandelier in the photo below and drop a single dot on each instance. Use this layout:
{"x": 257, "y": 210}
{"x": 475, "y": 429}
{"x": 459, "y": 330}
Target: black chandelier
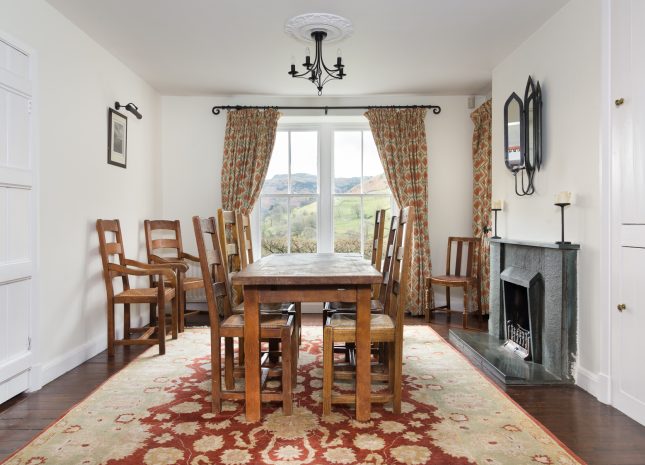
{"x": 317, "y": 71}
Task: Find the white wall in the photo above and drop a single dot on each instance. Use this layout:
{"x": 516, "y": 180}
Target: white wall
{"x": 77, "y": 81}
{"x": 192, "y": 146}
{"x": 565, "y": 56}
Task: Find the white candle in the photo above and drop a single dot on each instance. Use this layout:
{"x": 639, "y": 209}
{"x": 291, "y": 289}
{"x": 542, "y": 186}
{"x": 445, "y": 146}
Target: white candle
{"x": 563, "y": 197}
{"x": 497, "y": 205}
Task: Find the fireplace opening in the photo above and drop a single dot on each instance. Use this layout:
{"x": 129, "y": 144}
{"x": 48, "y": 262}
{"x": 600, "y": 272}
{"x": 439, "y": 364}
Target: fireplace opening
{"x": 518, "y": 325}
{"x": 522, "y": 313}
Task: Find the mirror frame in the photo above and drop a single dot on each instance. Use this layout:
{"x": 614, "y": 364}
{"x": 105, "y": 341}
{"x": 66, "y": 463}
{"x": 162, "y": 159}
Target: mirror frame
{"x": 513, "y": 167}
{"x": 532, "y": 94}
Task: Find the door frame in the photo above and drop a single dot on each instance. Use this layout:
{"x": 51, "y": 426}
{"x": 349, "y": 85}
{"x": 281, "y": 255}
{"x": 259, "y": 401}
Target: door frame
{"x": 35, "y": 371}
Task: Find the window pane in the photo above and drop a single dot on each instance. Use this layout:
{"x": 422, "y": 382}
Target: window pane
{"x": 347, "y": 224}
{"x": 374, "y": 181}
{"x": 304, "y": 162}
{"x": 347, "y": 162}
{"x": 277, "y": 177}
{"x": 273, "y": 225}
{"x": 304, "y": 224}
{"x": 372, "y": 203}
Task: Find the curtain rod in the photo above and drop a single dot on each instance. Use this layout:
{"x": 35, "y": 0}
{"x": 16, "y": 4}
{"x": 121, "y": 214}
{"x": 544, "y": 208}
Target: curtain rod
{"x": 436, "y": 109}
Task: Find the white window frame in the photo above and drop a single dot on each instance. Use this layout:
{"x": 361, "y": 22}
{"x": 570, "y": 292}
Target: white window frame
{"x": 325, "y": 155}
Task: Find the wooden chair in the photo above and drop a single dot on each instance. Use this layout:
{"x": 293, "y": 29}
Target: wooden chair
{"x": 385, "y": 328}
{"x": 468, "y": 280}
{"x": 157, "y": 245}
{"x": 378, "y": 291}
{"x": 154, "y": 296}
{"x": 224, "y": 324}
{"x": 245, "y": 250}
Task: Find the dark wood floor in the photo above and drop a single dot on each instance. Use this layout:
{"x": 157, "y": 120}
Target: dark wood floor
{"x": 599, "y": 434}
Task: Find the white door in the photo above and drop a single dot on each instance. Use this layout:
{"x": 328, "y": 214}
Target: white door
{"x": 628, "y": 147}
{"x": 17, "y": 220}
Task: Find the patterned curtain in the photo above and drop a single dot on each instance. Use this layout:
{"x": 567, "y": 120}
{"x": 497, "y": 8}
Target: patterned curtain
{"x": 400, "y": 137}
{"x": 482, "y": 191}
{"x": 248, "y": 143}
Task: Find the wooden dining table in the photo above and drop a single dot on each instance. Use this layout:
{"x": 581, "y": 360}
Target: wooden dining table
{"x": 317, "y": 277}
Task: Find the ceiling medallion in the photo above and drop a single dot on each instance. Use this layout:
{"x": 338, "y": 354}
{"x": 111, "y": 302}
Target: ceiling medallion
{"x": 319, "y": 27}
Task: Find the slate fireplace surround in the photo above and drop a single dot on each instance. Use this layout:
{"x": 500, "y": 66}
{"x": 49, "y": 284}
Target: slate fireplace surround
{"x": 550, "y": 271}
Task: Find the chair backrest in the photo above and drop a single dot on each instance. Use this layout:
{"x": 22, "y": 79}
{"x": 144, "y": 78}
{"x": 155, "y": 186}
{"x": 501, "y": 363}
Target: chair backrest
{"x": 387, "y": 261}
{"x": 397, "y": 289}
{"x": 108, "y": 248}
{"x": 227, "y": 231}
{"x": 245, "y": 240}
{"x": 377, "y": 246}
{"x": 472, "y": 259}
{"x": 213, "y": 270}
{"x": 156, "y": 239}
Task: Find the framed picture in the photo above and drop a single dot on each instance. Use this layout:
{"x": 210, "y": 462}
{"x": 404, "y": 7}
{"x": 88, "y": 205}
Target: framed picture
{"x": 117, "y": 138}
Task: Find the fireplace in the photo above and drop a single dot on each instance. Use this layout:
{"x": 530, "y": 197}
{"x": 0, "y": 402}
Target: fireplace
{"x": 532, "y": 324}
{"x": 523, "y": 309}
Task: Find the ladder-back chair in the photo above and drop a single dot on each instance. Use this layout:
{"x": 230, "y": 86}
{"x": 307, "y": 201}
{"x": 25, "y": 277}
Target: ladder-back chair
{"x": 156, "y": 296}
{"x": 158, "y": 246}
{"x": 226, "y": 325}
{"x": 466, "y": 278}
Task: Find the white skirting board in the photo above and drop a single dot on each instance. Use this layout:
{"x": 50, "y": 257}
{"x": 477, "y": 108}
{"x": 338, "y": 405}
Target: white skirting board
{"x": 596, "y": 384}
{"x": 70, "y": 360}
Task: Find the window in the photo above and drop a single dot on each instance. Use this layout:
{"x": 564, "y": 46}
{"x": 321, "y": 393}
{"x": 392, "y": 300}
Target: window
{"x": 322, "y": 189}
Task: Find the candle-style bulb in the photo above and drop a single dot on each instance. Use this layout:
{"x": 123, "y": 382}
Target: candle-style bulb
{"x": 293, "y": 60}
{"x": 339, "y": 59}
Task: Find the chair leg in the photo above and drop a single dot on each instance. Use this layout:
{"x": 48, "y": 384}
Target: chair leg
{"x": 274, "y": 350}
{"x": 153, "y": 315}
{"x": 478, "y": 296}
{"x": 466, "y": 299}
{"x": 298, "y": 306}
{"x": 240, "y": 351}
{"x": 448, "y": 304}
{"x": 286, "y": 371}
{"x": 126, "y": 321}
{"x": 427, "y": 300}
{"x": 295, "y": 353}
{"x": 182, "y": 311}
{"x": 110, "y": 329}
{"x": 398, "y": 373}
{"x": 328, "y": 368}
{"x": 229, "y": 379}
{"x": 174, "y": 312}
{"x": 216, "y": 376}
{"x": 161, "y": 327}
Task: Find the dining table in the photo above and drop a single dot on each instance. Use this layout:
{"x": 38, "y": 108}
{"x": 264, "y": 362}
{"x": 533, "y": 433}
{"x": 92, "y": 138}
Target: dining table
{"x": 307, "y": 277}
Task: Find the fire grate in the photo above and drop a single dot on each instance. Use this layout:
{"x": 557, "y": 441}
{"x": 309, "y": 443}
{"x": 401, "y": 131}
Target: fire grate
{"x": 519, "y": 340}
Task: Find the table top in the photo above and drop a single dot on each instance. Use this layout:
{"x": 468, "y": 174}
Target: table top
{"x": 309, "y": 269}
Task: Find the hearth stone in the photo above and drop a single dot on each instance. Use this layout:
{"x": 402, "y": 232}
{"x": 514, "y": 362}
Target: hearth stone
{"x": 556, "y": 265}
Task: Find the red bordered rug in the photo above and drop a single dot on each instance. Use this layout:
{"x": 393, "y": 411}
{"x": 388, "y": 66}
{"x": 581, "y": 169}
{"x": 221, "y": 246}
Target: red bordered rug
{"x": 156, "y": 411}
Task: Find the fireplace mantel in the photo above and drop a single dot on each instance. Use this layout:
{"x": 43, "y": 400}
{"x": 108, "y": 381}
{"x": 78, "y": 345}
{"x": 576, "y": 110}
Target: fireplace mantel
{"x": 542, "y": 245}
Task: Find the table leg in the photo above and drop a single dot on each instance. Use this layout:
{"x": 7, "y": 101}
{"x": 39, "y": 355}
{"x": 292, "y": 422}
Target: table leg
{"x": 252, "y": 353}
{"x": 363, "y": 354}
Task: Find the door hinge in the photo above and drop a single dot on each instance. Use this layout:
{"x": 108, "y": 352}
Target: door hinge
{"x": 28, "y": 343}
{"x": 29, "y": 105}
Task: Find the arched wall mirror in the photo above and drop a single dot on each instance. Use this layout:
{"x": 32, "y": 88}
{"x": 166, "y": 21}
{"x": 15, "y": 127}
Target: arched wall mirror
{"x": 514, "y": 133}
{"x": 523, "y": 136}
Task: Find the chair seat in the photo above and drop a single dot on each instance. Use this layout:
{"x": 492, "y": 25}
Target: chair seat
{"x": 348, "y": 320}
{"x": 143, "y": 295}
{"x": 452, "y": 280}
{"x": 267, "y": 308}
{"x": 266, "y": 321}
{"x": 376, "y": 306}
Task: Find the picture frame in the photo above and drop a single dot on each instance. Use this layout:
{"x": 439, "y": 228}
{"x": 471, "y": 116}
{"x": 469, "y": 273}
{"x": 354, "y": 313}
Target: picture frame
{"x": 117, "y": 139}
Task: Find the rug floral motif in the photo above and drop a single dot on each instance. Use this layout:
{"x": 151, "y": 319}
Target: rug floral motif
{"x": 156, "y": 411}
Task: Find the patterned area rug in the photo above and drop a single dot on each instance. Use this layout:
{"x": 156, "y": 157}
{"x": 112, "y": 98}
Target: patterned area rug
{"x": 156, "y": 411}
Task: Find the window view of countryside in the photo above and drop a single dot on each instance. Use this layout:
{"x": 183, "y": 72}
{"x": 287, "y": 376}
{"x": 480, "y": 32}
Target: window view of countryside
{"x": 304, "y": 213}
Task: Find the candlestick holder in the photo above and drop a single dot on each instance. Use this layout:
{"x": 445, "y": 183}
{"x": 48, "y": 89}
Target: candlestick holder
{"x": 562, "y": 205}
{"x": 496, "y": 210}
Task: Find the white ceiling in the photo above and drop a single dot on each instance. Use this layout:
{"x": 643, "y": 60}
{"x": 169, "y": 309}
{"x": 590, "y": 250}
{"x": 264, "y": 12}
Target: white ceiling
{"x": 198, "y": 47}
